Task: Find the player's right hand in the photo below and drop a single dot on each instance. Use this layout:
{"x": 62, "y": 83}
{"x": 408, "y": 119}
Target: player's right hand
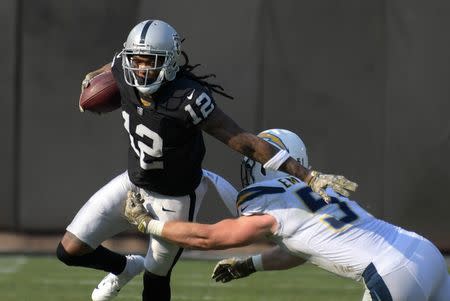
{"x": 85, "y": 82}
{"x": 87, "y": 79}
{"x": 319, "y": 182}
{"x": 135, "y": 212}
{"x": 232, "y": 268}
{"x": 91, "y": 75}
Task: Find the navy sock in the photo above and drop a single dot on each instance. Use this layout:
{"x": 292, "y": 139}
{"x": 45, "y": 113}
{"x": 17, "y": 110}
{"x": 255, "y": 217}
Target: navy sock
{"x": 100, "y": 259}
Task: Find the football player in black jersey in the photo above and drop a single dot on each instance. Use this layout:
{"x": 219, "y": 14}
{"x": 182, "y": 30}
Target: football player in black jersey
{"x": 165, "y": 108}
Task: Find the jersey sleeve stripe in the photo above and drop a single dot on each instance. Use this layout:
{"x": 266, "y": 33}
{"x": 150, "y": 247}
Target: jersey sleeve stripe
{"x": 253, "y": 192}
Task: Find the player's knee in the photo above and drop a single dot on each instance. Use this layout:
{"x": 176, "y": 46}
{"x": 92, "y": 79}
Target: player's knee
{"x": 160, "y": 262}
{"x": 156, "y": 268}
{"x": 64, "y": 256}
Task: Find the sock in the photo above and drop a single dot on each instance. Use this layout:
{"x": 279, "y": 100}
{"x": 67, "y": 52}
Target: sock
{"x": 100, "y": 259}
{"x": 156, "y": 288}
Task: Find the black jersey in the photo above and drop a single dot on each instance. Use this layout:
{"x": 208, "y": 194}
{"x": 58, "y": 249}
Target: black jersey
{"x": 166, "y": 145}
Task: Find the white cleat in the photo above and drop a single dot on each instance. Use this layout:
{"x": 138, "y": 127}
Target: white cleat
{"x": 111, "y": 285}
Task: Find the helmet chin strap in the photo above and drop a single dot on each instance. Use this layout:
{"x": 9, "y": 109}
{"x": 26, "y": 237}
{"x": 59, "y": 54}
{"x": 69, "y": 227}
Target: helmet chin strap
{"x": 152, "y": 88}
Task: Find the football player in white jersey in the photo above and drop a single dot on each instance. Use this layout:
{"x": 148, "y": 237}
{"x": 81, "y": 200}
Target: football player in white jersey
{"x": 338, "y": 236}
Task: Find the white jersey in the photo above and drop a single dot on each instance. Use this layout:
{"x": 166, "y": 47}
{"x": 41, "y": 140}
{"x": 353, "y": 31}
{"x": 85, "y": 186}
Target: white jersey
{"x": 339, "y": 236}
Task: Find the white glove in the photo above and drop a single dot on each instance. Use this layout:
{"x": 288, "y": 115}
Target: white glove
{"x": 340, "y": 184}
{"x": 135, "y": 212}
{"x": 232, "y": 268}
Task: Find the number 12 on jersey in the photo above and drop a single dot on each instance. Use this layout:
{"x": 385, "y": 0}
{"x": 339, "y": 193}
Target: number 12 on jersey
{"x": 206, "y": 107}
{"x": 144, "y": 151}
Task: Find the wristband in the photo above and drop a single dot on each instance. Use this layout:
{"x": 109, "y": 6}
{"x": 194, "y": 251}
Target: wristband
{"x": 257, "y": 262}
{"x": 275, "y": 162}
{"x": 154, "y": 227}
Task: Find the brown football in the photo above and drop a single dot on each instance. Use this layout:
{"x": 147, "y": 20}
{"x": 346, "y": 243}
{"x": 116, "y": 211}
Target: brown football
{"x": 101, "y": 95}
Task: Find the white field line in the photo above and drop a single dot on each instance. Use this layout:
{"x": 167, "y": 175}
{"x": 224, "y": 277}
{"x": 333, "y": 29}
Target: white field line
{"x": 319, "y": 286}
{"x": 196, "y": 283}
{"x": 93, "y": 283}
{"x": 207, "y": 297}
{"x": 13, "y": 265}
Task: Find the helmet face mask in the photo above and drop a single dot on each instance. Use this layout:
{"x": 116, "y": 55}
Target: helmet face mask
{"x": 157, "y": 43}
{"x": 253, "y": 172}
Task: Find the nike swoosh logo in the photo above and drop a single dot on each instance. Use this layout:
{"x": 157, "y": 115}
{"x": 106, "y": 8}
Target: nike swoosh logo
{"x": 167, "y": 210}
{"x": 191, "y": 95}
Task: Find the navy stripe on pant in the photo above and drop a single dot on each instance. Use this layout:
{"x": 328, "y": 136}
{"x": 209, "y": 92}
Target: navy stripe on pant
{"x": 378, "y": 289}
{"x": 193, "y": 199}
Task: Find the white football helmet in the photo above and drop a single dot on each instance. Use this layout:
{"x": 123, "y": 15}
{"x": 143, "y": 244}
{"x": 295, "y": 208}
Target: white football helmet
{"x": 155, "y": 38}
{"x": 252, "y": 171}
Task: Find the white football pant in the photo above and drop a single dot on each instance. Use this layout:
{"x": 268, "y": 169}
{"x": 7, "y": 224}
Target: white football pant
{"x": 102, "y": 218}
{"x": 422, "y": 277}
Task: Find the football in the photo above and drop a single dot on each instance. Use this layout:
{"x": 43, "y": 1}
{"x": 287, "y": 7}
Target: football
{"x": 101, "y": 95}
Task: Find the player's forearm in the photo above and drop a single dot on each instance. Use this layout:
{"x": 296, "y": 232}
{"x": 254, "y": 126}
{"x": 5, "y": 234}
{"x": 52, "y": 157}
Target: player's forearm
{"x": 292, "y": 167}
{"x": 272, "y": 259}
{"x": 279, "y": 259}
{"x": 228, "y": 233}
{"x": 223, "y": 128}
{"x": 188, "y": 235}
{"x": 262, "y": 151}
{"x": 194, "y": 236}
{"x": 104, "y": 68}
{"x": 252, "y": 147}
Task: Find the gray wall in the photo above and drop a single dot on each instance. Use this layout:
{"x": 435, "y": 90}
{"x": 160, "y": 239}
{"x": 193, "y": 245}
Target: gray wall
{"x": 417, "y": 134}
{"x": 8, "y": 126}
{"x": 364, "y": 83}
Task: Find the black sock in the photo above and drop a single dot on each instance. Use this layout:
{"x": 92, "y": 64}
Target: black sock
{"x": 156, "y": 288}
{"x": 100, "y": 259}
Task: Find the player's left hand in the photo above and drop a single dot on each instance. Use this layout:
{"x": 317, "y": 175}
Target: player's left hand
{"x": 319, "y": 181}
{"x": 232, "y": 268}
{"x": 135, "y": 212}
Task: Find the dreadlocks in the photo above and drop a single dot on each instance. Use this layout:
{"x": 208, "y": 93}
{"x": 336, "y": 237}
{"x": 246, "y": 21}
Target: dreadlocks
{"x": 187, "y": 69}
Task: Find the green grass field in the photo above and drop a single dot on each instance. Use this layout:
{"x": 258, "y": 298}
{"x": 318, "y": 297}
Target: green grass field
{"x": 40, "y": 278}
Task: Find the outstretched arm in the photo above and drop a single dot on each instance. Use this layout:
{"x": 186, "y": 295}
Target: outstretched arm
{"x": 228, "y": 233}
{"x": 278, "y": 259}
{"x": 222, "y": 127}
{"x": 269, "y": 260}
{"x": 225, "y": 234}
